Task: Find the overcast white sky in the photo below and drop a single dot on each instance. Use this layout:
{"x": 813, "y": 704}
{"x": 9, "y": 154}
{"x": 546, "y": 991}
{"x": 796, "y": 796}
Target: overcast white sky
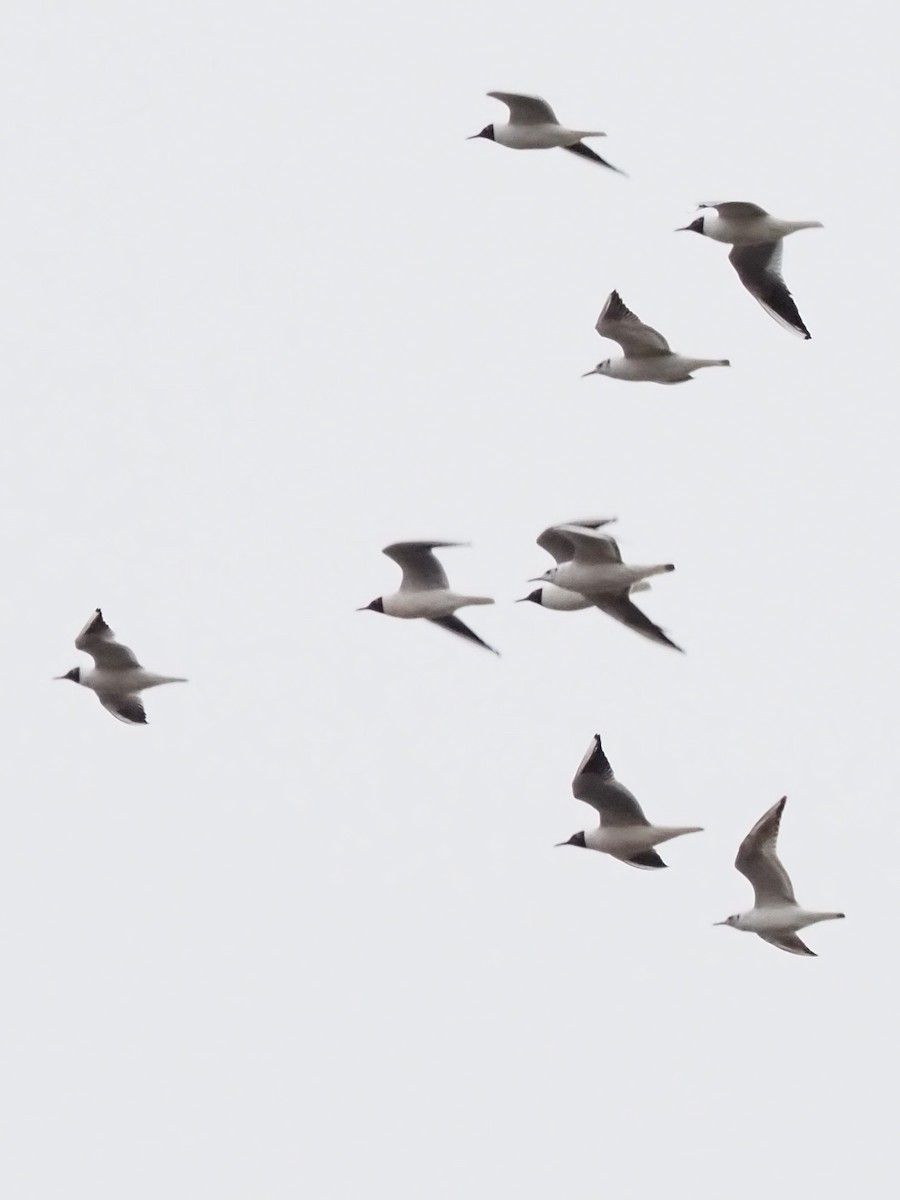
{"x": 263, "y": 311}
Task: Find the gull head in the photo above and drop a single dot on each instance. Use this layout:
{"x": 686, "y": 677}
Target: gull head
{"x": 547, "y": 577}
{"x": 696, "y": 226}
{"x": 602, "y": 368}
{"x": 733, "y": 921}
{"x": 487, "y": 132}
{"x": 74, "y": 675}
{"x": 377, "y": 605}
{"x": 577, "y": 839}
{"x": 535, "y": 597}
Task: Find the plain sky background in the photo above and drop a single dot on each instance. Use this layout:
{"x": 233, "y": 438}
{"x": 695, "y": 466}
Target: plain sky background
{"x": 264, "y": 311}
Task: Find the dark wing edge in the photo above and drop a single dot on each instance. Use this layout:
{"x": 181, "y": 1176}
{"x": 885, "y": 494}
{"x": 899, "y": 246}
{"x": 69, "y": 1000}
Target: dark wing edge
{"x": 127, "y": 709}
{"x": 583, "y": 151}
{"x": 755, "y": 271}
{"x": 648, "y": 859}
{"x": 455, "y": 625}
{"x": 789, "y": 942}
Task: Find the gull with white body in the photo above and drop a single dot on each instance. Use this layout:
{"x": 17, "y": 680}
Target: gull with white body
{"x": 595, "y": 572}
{"x": 624, "y": 832}
{"x": 562, "y": 550}
{"x": 117, "y": 676}
{"x": 425, "y": 590}
{"x": 532, "y": 125}
{"x": 757, "y": 239}
{"x": 646, "y": 354}
{"x": 776, "y": 916}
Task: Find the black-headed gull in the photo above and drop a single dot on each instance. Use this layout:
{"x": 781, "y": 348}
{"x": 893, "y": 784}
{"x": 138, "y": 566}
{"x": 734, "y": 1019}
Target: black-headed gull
{"x": 624, "y": 832}
{"x": 425, "y": 590}
{"x": 776, "y": 916}
{"x": 647, "y": 357}
{"x": 757, "y": 238}
{"x": 532, "y": 125}
{"x": 117, "y": 676}
{"x": 597, "y": 573}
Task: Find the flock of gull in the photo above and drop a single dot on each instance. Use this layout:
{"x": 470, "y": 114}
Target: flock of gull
{"x": 589, "y": 571}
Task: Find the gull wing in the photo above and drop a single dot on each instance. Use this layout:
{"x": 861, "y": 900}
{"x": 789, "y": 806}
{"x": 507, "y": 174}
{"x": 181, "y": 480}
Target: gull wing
{"x": 455, "y": 625}
{"x": 758, "y": 860}
{"x": 735, "y": 210}
{"x": 591, "y": 547}
{"x": 789, "y": 942}
{"x": 526, "y": 110}
{"x": 618, "y": 323}
{"x": 421, "y": 570}
{"x": 583, "y": 151}
{"x": 759, "y": 270}
{"x": 99, "y": 641}
{"x": 557, "y": 543}
{"x": 646, "y": 860}
{"x": 595, "y": 784}
{"x": 621, "y": 608}
{"x": 128, "y": 708}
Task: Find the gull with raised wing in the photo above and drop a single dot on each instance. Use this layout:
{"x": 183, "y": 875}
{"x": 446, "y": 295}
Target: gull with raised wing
{"x": 776, "y": 916}
{"x": 117, "y": 676}
{"x": 647, "y": 357}
{"x": 624, "y": 832}
{"x": 597, "y": 573}
{"x": 562, "y": 549}
{"x": 757, "y": 239}
{"x": 425, "y": 590}
{"x": 532, "y": 125}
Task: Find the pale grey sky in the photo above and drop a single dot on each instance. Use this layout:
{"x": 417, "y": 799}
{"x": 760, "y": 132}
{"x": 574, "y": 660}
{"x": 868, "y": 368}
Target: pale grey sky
{"x": 264, "y": 310}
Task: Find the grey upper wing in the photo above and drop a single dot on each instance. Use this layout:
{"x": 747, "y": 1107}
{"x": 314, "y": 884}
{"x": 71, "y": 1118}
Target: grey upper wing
{"x": 127, "y": 709}
{"x": 757, "y": 860}
{"x": 98, "y": 640}
{"x": 621, "y": 608}
{"x": 595, "y": 784}
{"x": 591, "y": 547}
{"x": 735, "y": 210}
{"x": 620, "y": 324}
{"x": 526, "y": 110}
{"x": 421, "y": 570}
{"x": 759, "y": 270}
{"x": 559, "y": 544}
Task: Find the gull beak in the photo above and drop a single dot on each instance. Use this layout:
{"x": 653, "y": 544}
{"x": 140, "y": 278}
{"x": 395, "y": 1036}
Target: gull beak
{"x": 536, "y": 579}
{"x": 557, "y": 844}
{"x": 718, "y": 922}
{"x": 682, "y": 229}
{"x": 52, "y": 677}
{"x": 522, "y": 599}
{"x": 593, "y": 371}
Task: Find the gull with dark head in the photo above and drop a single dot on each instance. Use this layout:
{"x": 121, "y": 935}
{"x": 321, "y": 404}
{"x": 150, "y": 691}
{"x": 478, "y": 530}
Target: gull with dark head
{"x": 647, "y": 357}
{"x": 117, "y": 677}
{"x": 562, "y": 549}
{"x": 776, "y": 916}
{"x": 624, "y": 832}
{"x": 425, "y": 590}
{"x": 757, "y": 239}
{"x": 532, "y": 125}
{"x": 595, "y": 572}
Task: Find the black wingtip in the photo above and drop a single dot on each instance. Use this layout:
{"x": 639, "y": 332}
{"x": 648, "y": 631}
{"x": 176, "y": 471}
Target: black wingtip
{"x": 648, "y": 858}
{"x": 583, "y": 151}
